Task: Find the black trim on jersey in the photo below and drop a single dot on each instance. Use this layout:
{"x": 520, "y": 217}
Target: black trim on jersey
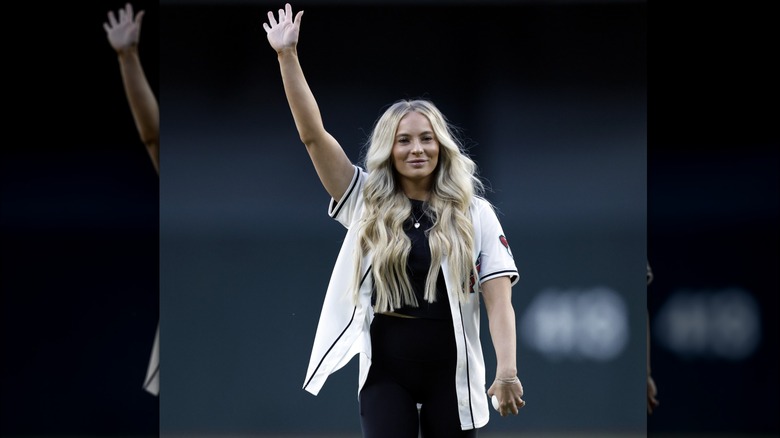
{"x": 152, "y": 376}
{"x": 346, "y": 195}
{"x": 499, "y": 274}
{"x": 468, "y": 373}
{"x": 352, "y": 318}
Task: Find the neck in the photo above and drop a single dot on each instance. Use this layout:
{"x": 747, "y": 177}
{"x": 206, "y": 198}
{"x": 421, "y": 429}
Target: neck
{"x": 418, "y": 194}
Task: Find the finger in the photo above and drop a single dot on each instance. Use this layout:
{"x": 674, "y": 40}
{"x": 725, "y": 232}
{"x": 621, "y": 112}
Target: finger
{"x": 281, "y": 15}
{"x": 105, "y": 26}
{"x": 111, "y": 18}
{"x": 129, "y": 10}
{"x": 297, "y": 20}
{"x": 271, "y": 18}
{"x": 139, "y": 17}
{"x": 122, "y": 15}
{"x": 288, "y": 10}
{"x": 266, "y": 27}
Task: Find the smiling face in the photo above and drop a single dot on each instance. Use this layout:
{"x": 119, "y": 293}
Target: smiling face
{"x": 415, "y": 154}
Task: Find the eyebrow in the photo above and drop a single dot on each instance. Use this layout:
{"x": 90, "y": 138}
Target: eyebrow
{"x": 406, "y": 134}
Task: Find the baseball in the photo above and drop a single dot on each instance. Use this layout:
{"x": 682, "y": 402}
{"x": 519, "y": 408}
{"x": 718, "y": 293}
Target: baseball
{"x": 495, "y": 402}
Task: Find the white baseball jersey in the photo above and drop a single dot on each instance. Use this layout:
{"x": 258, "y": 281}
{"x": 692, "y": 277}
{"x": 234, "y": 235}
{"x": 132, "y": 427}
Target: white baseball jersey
{"x": 344, "y": 326}
{"x": 152, "y": 380}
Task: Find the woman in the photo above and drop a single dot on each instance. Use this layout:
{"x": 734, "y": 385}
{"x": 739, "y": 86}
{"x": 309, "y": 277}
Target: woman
{"x": 421, "y": 247}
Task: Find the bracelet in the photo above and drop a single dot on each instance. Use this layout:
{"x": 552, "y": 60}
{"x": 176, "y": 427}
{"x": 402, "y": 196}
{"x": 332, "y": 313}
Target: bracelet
{"x": 508, "y": 381}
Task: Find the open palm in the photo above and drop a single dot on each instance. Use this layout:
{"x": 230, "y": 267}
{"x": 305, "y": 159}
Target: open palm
{"x": 283, "y": 34}
{"x": 125, "y": 31}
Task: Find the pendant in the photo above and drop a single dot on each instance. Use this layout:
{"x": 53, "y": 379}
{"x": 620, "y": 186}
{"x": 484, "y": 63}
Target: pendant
{"x": 417, "y": 225}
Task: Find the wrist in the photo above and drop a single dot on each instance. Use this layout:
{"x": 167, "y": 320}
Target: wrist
{"x": 507, "y": 380}
{"x": 130, "y": 50}
{"x": 287, "y": 51}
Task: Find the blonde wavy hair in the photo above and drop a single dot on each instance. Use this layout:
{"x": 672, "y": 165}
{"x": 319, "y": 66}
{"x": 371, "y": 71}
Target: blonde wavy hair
{"x": 381, "y": 230}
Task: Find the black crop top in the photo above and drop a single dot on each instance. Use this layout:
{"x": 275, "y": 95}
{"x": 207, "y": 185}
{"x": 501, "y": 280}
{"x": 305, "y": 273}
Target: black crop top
{"x": 417, "y": 269}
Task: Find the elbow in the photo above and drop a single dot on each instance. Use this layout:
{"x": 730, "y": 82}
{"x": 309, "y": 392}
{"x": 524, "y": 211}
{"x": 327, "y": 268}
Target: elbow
{"x": 312, "y": 135}
{"x": 309, "y": 141}
{"x": 149, "y": 133}
{"x": 150, "y": 140}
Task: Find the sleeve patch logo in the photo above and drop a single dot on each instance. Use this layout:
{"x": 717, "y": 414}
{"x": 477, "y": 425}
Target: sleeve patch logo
{"x": 504, "y": 242}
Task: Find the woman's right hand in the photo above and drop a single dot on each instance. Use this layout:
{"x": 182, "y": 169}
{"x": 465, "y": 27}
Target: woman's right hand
{"x": 126, "y": 31}
{"x": 284, "y": 33}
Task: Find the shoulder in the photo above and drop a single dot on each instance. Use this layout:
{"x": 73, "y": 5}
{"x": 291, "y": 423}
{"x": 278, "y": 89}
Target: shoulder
{"x": 480, "y": 201}
{"x": 481, "y": 206}
{"x": 351, "y": 201}
{"x": 358, "y": 181}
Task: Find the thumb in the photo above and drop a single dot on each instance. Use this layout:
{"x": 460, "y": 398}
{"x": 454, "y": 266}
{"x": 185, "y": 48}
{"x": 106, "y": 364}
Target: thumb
{"x": 139, "y": 17}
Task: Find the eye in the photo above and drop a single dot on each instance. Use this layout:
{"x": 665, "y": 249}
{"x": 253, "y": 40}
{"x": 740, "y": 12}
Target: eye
{"x": 403, "y": 140}
{"x": 427, "y": 138}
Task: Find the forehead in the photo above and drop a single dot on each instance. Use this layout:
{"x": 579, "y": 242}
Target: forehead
{"x": 414, "y": 122}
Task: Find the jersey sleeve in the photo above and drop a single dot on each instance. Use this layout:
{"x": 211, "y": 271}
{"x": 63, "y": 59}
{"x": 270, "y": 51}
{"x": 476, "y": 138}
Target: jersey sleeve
{"x": 344, "y": 209}
{"x": 495, "y": 256}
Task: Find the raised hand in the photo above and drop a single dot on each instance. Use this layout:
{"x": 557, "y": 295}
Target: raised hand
{"x": 283, "y": 34}
{"x": 126, "y": 31}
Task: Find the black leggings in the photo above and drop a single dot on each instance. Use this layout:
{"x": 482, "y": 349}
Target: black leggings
{"x": 413, "y": 361}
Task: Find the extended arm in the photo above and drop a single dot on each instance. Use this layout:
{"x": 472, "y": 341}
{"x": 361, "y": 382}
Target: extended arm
{"x": 123, "y": 35}
{"x": 497, "y": 294}
{"x": 333, "y": 167}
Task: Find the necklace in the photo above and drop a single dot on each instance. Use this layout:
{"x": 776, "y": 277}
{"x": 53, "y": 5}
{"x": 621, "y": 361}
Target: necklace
{"x": 417, "y": 220}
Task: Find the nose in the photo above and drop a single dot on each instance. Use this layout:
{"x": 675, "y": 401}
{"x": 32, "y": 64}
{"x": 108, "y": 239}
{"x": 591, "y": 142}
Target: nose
{"x": 417, "y": 148}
